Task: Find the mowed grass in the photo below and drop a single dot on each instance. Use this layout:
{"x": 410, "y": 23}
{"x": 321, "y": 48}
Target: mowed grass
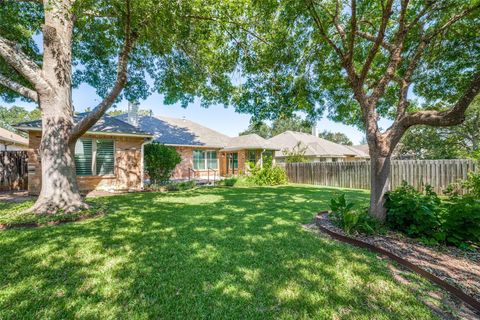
{"x": 219, "y": 253}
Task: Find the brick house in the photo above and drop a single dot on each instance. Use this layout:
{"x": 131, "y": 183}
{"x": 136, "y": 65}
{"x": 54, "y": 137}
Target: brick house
{"x": 108, "y": 157}
{"x": 203, "y": 151}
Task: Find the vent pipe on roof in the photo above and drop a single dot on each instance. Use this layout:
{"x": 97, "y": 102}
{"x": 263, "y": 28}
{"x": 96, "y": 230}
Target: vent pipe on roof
{"x": 132, "y": 115}
{"x": 314, "y": 130}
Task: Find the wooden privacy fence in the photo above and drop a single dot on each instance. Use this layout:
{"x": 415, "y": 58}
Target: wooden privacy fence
{"x": 418, "y": 173}
{"x": 13, "y": 170}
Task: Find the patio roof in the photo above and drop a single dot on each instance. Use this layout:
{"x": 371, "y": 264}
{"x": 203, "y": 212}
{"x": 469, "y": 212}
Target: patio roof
{"x": 249, "y": 142}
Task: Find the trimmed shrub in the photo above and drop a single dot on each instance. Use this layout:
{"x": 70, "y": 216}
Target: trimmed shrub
{"x": 268, "y": 176}
{"x": 160, "y": 160}
{"x": 229, "y": 182}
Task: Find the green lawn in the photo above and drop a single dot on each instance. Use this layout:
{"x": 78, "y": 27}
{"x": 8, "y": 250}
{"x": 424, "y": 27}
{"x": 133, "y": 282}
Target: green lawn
{"x": 223, "y": 253}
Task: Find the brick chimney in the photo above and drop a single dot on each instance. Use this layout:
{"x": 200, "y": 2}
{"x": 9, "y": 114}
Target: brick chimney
{"x": 132, "y": 113}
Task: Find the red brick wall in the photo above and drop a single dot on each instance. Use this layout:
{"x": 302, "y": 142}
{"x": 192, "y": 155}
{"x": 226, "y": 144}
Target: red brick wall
{"x": 127, "y": 174}
{"x": 186, "y": 153}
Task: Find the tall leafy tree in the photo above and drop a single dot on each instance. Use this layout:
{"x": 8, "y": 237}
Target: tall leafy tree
{"x": 362, "y": 61}
{"x": 279, "y": 125}
{"x": 184, "y": 46}
{"x": 337, "y": 137}
{"x": 13, "y": 115}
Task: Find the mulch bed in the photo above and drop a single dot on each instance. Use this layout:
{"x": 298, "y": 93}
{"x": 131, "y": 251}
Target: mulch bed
{"x": 457, "y": 267}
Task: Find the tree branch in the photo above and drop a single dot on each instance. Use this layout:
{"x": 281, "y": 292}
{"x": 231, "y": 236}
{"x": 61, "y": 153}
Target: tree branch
{"x": 394, "y": 59}
{"x": 379, "y": 39}
{"x": 89, "y": 120}
{"x": 23, "y": 65}
{"x": 368, "y": 36}
{"x": 18, "y": 88}
{"x": 450, "y": 117}
{"x": 321, "y": 29}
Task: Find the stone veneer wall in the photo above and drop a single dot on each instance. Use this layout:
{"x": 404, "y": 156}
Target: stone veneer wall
{"x": 128, "y": 166}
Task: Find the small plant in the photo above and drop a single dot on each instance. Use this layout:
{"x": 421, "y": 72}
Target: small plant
{"x": 181, "y": 186}
{"x": 352, "y": 220}
{"x": 229, "y": 182}
{"x": 297, "y": 154}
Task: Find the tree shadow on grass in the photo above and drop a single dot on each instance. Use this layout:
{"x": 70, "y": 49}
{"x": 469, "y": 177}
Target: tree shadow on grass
{"x": 208, "y": 253}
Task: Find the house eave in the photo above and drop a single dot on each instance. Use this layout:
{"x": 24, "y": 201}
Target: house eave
{"x": 117, "y": 134}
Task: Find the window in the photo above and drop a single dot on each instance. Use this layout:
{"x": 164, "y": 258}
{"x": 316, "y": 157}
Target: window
{"x": 83, "y": 157}
{"x": 212, "y": 162}
{"x": 198, "y": 160}
{"x": 105, "y": 160}
{"x": 252, "y": 156}
{"x": 94, "y": 156}
{"x": 203, "y": 160}
{"x": 233, "y": 160}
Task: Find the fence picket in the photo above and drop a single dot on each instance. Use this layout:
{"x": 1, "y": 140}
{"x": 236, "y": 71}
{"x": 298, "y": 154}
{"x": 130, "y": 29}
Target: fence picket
{"x": 419, "y": 173}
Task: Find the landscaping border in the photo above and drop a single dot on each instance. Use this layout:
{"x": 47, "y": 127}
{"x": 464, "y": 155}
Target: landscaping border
{"x": 427, "y": 275}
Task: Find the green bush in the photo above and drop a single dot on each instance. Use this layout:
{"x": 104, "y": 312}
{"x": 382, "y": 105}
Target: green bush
{"x": 416, "y": 214}
{"x": 456, "y": 220}
{"x": 160, "y": 160}
{"x": 229, "y": 182}
{"x": 181, "y": 186}
{"x": 461, "y": 222}
{"x": 352, "y": 220}
{"x": 472, "y": 184}
{"x": 268, "y": 176}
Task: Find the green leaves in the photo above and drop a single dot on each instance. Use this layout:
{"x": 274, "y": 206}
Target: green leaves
{"x": 160, "y": 160}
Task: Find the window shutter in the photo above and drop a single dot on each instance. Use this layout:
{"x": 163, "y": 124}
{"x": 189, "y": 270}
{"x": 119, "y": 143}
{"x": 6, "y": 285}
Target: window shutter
{"x": 83, "y": 157}
{"x": 105, "y": 160}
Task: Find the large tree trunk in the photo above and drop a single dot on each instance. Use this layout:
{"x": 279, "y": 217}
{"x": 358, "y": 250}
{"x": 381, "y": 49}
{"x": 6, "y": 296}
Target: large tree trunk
{"x": 59, "y": 183}
{"x": 380, "y": 184}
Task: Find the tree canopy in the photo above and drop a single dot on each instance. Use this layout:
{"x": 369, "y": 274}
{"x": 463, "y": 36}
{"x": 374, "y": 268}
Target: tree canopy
{"x": 16, "y": 114}
{"x": 337, "y": 137}
{"x": 298, "y": 62}
{"x": 182, "y": 47}
{"x": 279, "y": 125}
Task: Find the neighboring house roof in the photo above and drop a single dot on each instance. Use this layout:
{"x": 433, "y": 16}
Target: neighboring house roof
{"x": 180, "y": 132}
{"x": 12, "y": 138}
{"x": 106, "y": 125}
{"x": 362, "y": 147}
{"x": 249, "y": 141}
{"x": 314, "y": 146}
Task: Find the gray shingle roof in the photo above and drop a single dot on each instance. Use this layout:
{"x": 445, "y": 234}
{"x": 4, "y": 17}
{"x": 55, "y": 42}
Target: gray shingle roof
{"x": 315, "y": 146}
{"x": 106, "y": 124}
{"x": 250, "y": 141}
{"x": 182, "y": 132}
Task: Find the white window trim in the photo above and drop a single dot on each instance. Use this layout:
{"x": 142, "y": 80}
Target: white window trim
{"x": 205, "y": 160}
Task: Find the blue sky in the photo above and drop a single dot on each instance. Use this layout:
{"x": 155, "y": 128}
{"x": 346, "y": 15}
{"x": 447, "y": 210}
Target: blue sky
{"x": 224, "y": 120}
